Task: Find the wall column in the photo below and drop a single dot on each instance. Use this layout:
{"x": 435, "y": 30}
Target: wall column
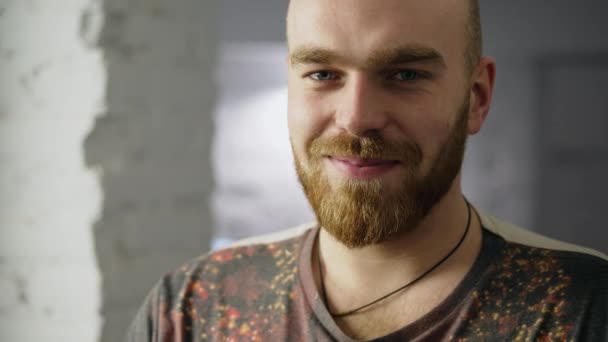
{"x": 52, "y": 82}
{"x": 152, "y": 147}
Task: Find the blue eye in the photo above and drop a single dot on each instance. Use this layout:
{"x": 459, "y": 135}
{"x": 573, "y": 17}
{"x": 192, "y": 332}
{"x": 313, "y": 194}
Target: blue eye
{"x": 323, "y": 76}
{"x": 407, "y": 75}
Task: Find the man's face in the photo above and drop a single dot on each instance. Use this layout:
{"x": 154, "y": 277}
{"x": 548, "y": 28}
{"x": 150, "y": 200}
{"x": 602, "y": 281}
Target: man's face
{"x": 378, "y": 108}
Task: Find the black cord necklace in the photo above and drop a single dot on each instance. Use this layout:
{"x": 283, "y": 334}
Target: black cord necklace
{"x": 427, "y": 272}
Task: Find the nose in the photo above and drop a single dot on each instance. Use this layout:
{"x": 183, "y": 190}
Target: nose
{"x": 360, "y": 109}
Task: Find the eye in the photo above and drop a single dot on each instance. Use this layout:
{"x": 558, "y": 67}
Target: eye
{"x": 407, "y": 75}
{"x": 323, "y": 76}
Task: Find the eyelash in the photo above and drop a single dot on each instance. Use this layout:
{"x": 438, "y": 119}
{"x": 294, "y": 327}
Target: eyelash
{"x": 390, "y": 75}
{"x": 418, "y": 74}
{"x": 312, "y": 74}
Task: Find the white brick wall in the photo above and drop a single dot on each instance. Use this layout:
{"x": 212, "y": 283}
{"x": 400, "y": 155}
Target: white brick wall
{"x": 51, "y": 88}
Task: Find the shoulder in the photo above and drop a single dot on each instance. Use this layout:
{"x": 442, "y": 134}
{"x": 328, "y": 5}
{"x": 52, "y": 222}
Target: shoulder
{"x": 514, "y": 234}
{"x": 531, "y": 256}
{"x": 535, "y": 281}
{"x": 259, "y": 251}
{"x": 223, "y": 284}
{"x": 277, "y": 237}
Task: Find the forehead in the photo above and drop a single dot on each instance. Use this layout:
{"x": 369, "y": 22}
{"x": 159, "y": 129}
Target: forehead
{"x": 359, "y": 28}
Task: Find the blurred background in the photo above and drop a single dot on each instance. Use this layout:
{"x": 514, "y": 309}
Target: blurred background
{"x": 138, "y": 134}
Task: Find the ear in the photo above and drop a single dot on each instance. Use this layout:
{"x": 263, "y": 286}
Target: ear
{"x": 482, "y": 88}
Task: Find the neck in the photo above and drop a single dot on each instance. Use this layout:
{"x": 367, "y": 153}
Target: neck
{"x": 355, "y": 271}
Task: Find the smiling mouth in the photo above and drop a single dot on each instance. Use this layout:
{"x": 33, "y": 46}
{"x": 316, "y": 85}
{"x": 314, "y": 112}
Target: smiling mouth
{"x": 359, "y": 162}
{"x": 361, "y": 168}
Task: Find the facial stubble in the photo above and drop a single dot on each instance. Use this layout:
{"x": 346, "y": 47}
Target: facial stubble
{"x": 363, "y": 213}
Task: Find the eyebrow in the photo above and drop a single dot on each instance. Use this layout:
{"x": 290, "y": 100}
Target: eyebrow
{"x": 310, "y": 55}
{"x": 400, "y": 55}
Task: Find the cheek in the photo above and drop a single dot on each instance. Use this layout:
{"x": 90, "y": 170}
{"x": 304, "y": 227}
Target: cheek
{"x": 440, "y": 133}
{"x": 427, "y": 125}
{"x": 424, "y": 123}
{"x": 307, "y": 120}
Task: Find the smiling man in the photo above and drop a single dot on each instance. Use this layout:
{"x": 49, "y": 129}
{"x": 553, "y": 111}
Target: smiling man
{"x": 382, "y": 97}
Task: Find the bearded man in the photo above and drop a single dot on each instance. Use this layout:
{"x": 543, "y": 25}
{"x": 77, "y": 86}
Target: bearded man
{"x": 382, "y": 97}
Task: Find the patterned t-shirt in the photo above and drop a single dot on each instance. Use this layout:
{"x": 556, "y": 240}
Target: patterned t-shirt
{"x": 266, "y": 292}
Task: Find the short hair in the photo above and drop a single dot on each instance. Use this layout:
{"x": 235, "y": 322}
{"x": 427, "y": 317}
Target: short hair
{"x": 474, "y": 36}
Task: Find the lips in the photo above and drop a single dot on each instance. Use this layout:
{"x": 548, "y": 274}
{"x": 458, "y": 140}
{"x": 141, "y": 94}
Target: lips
{"x": 362, "y": 169}
{"x": 364, "y": 162}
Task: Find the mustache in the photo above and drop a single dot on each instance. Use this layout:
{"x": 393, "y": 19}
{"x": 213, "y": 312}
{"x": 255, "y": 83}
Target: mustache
{"x": 371, "y": 146}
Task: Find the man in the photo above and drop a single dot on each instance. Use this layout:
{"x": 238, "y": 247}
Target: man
{"x": 382, "y": 97}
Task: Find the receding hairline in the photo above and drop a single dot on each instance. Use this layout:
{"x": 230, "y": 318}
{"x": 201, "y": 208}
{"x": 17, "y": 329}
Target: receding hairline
{"x": 474, "y": 37}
